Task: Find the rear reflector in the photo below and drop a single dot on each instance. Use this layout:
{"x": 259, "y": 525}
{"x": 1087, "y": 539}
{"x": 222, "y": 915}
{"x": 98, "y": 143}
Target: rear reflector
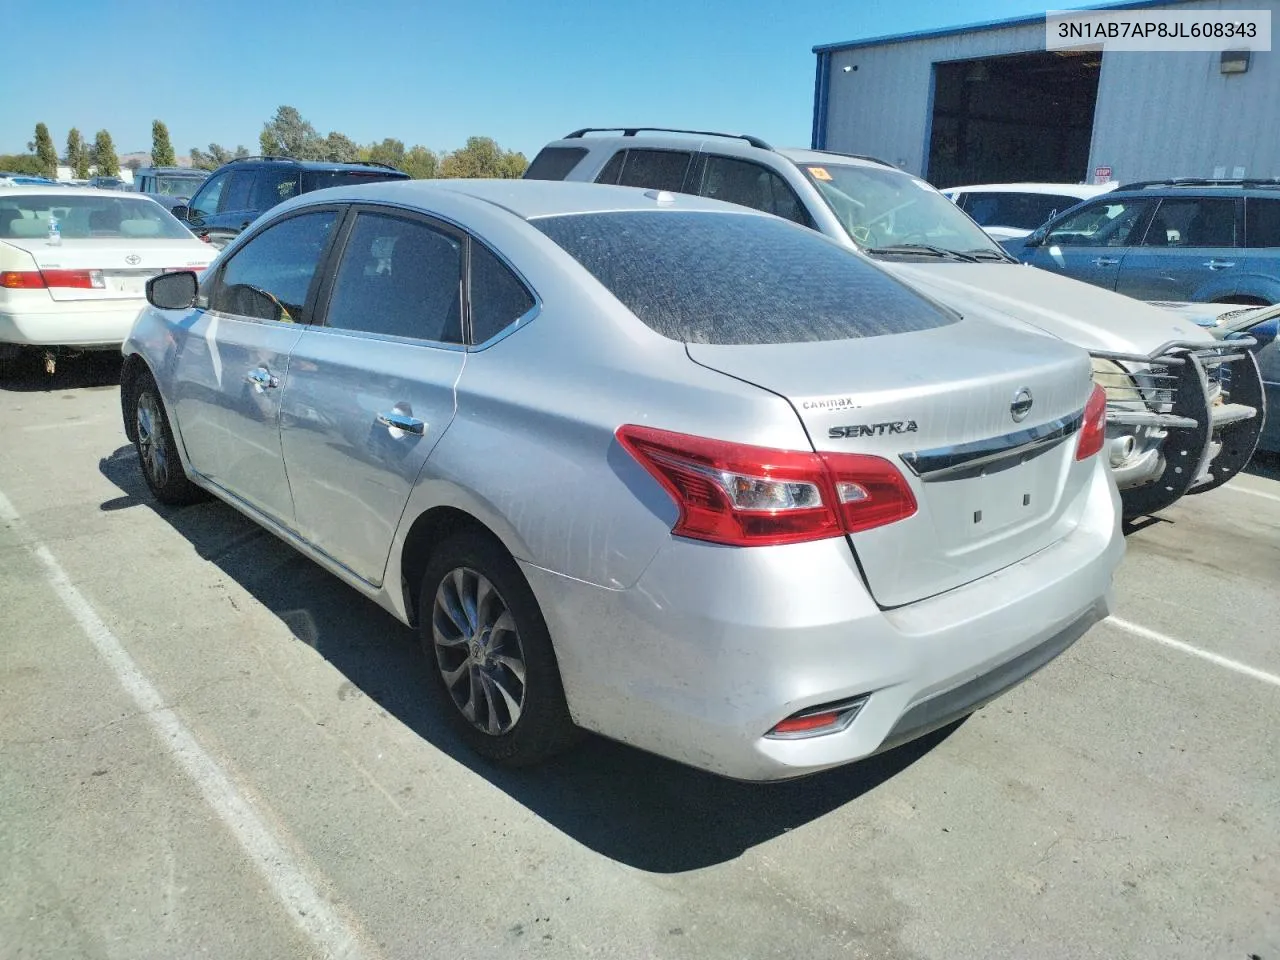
{"x": 818, "y": 721}
{"x": 742, "y": 495}
{"x": 1094, "y": 432}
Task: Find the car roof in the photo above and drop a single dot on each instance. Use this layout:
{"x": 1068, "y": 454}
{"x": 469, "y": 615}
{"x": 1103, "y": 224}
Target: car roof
{"x": 728, "y": 144}
{"x": 527, "y": 199}
{"x": 1081, "y": 190}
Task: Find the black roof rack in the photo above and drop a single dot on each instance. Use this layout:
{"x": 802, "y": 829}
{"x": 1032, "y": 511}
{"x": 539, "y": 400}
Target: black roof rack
{"x": 349, "y": 163}
{"x": 265, "y": 157}
{"x": 859, "y": 156}
{"x": 1203, "y": 182}
{"x": 632, "y": 131}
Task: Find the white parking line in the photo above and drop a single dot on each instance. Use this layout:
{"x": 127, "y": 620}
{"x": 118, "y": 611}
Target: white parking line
{"x": 1215, "y": 658}
{"x": 307, "y": 907}
{"x": 1253, "y": 493}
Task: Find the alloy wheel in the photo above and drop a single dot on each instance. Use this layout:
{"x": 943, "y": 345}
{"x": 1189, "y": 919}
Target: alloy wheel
{"x": 151, "y": 440}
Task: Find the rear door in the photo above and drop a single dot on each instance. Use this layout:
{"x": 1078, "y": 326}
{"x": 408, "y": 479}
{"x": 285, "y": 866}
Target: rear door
{"x": 371, "y": 392}
{"x": 234, "y": 358}
{"x": 1189, "y": 245}
{"x": 1090, "y": 243}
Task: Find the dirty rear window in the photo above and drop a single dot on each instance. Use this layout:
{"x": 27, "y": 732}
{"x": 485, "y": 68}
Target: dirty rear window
{"x": 724, "y": 278}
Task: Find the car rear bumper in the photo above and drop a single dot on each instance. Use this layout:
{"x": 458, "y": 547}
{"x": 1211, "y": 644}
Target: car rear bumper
{"x": 88, "y": 325}
{"x": 713, "y": 646}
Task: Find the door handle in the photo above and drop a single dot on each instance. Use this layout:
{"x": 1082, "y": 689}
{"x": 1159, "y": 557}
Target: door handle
{"x": 1219, "y": 264}
{"x": 1105, "y": 261}
{"x": 398, "y": 421}
{"x": 262, "y": 379}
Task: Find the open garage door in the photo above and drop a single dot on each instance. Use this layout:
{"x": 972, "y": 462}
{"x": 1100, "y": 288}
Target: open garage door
{"x": 1026, "y": 116}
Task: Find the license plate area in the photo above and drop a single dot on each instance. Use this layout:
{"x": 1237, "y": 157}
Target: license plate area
{"x": 991, "y": 503}
{"x": 130, "y": 284}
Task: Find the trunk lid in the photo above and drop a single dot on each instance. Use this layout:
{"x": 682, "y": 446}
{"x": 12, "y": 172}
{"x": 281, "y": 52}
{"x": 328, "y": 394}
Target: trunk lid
{"x": 937, "y": 403}
{"x": 125, "y": 265}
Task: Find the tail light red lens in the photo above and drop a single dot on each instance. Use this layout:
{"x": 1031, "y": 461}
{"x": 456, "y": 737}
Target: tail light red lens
{"x": 1094, "y": 432}
{"x": 40, "y": 279}
{"x": 743, "y": 495}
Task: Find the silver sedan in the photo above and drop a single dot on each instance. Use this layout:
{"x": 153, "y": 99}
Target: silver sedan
{"x": 666, "y": 469}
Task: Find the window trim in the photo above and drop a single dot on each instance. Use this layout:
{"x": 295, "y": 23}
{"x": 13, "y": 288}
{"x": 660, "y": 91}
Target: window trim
{"x": 521, "y": 321}
{"x": 317, "y": 279}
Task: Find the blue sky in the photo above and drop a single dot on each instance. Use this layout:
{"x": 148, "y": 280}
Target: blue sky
{"x": 430, "y": 72}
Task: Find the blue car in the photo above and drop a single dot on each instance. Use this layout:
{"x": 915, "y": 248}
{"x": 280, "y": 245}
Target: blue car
{"x": 1169, "y": 240}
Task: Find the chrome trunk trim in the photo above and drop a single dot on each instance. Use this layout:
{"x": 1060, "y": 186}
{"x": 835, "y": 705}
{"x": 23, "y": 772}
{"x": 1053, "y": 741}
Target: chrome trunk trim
{"x": 940, "y": 463}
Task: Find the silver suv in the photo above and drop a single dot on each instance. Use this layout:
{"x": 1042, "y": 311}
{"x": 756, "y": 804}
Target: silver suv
{"x": 1184, "y": 411}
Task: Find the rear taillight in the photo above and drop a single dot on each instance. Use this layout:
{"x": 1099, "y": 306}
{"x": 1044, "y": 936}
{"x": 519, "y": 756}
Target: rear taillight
{"x": 744, "y": 495}
{"x": 75, "y": 279}
{"x": 39, "y": 279}
{"x": 1094, "y": 432}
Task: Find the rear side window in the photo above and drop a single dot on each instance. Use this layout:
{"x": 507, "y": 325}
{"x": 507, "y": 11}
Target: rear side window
{"x": 274, "y": 186}
{"x": 400, "y": 278}
{"x": 727, "y": 278}
{"x": 554, "y": 163}
{"x": 498, "y": 298}
{"x": 1193, "y": 222}
{"x": 653, "y": 169}
{"x": 1262, "y": 222}
{"x": 270, "y": 276}
{"x": 613, "y": 169}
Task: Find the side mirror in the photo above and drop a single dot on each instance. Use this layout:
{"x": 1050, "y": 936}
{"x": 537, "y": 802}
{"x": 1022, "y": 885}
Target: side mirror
{"x": 181, "y": 211}
{"x": 172, "y": 291}
{"x": 1265, "y": 332}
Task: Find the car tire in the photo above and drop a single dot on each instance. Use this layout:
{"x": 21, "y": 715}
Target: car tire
{"x": 481, "y": 628}
{"x": 157, "y": 450}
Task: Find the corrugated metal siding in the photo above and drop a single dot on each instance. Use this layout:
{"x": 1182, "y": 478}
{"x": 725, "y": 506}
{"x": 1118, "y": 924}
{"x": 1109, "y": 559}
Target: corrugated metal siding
{"x": 1175, "y": 115}
{"x": 1158, "y": 114}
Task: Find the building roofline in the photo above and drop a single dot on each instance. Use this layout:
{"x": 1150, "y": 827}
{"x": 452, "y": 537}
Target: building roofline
{"x": 985, "y": 25}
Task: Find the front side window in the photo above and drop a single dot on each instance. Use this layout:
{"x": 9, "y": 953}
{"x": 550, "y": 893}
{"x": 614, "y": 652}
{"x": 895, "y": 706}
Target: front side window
{"x": 399, "y": 278}
{"x": 274, "y": 186}
{"x": 751, "y": 185}
{"x": 498, "y": 298}
{"x": 655, "y": 169}
{"x": 738, "y": 278}
{"x": 269, "y": 278}
{"x": 886, "y": 210}
{"x": 1108, "y": 223}
{"x": 205, "y": 202}
{"x": 1193, "y": 222}
{"x": 236, "y": 196}
{"x": 1262, "y": 221}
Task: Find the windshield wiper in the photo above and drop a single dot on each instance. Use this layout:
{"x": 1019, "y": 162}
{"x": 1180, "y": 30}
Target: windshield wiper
{"x": 983, "y": 254}
{"x": 922, "y": 249}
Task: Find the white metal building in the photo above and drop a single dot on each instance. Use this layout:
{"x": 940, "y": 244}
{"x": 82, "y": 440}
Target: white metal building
{"x": 987, "y": 103}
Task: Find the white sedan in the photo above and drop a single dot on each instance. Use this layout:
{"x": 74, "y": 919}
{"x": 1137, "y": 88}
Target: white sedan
{"x": 74, "y": 266}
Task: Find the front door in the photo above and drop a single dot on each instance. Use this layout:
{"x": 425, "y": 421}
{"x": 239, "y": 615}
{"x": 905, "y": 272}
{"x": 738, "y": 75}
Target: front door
{"x": 1090, "y": 244}
{"x": 371, "y": 392}
{"x": 232, "y": 365}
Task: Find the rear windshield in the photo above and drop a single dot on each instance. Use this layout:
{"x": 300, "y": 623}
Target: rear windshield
{"x": 87, "y": 218}
{"x": 320, "y": 179}
{"x": 554, "y": 163}
{"x": 729, "y": 278}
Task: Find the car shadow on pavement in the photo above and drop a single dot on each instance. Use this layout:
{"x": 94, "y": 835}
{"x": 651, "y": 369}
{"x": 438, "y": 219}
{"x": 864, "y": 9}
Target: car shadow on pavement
{"x": 636, "y": 808}
{"x": 1265, "y": 464}
{"x": 26, "y": 373}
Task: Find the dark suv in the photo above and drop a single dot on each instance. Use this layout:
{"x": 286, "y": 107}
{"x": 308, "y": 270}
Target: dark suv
{"x": 239, "y": 191}
{"x": 1180, "y": 240}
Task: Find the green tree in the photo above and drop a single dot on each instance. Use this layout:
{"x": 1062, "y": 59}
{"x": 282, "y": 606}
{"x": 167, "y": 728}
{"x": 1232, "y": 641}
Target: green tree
{"x": 419, "y": 163}
{"x": 340, "y": 148}
{"x": 288, "y": 135}
{"x": 482, "y": 157}
{"x": 215, "y": 157}
{"x": 389, "y": 151}
{"x": 104, "y": 155}
{"x": 161, "y": 149}
{"x": 46, "y": 152}
{"x": 27, "y": 163}
{"x": 77, "y": 157}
